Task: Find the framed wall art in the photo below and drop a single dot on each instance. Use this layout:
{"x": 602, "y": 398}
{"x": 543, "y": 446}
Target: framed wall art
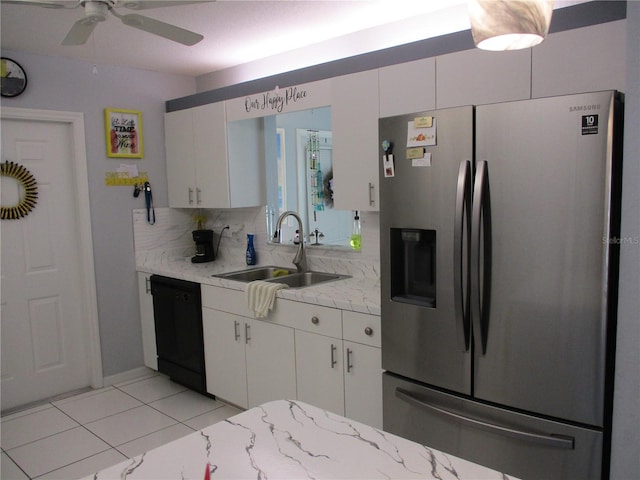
{"x": 123, "y": 133}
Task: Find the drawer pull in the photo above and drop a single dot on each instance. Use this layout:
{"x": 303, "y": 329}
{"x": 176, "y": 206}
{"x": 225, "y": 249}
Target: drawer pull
{"x": 368, "y": 331}
{"x": 333, "y": 356}
{"x": 236, "y": 334}
{"x": 247, "y": 336}
{"x": 349, "y": 365}
{"x": 315, "y": 320}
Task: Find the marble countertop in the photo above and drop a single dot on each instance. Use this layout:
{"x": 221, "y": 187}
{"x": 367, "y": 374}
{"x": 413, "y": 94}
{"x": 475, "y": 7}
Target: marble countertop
{"x": 359, "y": 294}
{"x": 294, "y": 440}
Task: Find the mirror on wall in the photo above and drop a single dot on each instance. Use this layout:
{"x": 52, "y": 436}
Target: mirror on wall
{"x": 299, "y": 176}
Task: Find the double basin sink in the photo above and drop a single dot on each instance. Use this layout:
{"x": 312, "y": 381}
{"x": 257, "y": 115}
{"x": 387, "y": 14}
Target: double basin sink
{"x": 292, "y": 278}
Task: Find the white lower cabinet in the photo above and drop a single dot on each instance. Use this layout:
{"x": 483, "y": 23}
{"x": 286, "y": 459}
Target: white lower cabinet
{"x": 363, "y": 383}
{"x": 224, "y": 355}
{"x": 340, "y": 376}
{"x": 363, "y": 367}
{"x": 248, "y": 362}
{"x": 323, "y": 356}
{"x": 319, "y": 371}
{"x": 271, "y": 370}
{"x": 147, "y": 322}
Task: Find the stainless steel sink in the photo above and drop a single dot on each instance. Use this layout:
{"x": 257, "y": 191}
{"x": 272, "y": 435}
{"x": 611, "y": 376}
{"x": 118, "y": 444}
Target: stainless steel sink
{"x": 281, "y": 275}
{"x": 258, "y": 273}
{"x": 307, "y": 279}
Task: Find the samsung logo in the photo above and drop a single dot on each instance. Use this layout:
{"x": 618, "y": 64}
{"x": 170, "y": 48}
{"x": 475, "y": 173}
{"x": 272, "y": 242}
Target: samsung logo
{"x": 584, "y": 108}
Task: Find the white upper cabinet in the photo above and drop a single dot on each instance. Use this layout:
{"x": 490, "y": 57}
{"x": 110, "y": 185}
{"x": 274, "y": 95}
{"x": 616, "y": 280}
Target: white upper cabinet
{"x": 247, "y": 178}
{"x": 580, "y": 60}
{"x": 181, "y": 165}
{"x": 198, "y": 171}
{"x": 476, "y": 77}
{"x": 407, "y": 87}
{"x": 354, "y": 122}
{"x": 210, "y": 143}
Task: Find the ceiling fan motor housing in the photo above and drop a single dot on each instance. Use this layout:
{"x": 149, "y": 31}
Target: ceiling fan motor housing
{"x": 96, "y": 10}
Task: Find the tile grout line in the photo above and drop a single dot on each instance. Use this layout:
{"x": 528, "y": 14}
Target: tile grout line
{"x": 114, "y": 448}
{"x": 16, "y": 464}
{"x": 78, "y": 424}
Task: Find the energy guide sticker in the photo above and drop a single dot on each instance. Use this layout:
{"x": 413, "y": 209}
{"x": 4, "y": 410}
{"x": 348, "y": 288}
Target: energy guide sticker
{"x": 589, "y": 124}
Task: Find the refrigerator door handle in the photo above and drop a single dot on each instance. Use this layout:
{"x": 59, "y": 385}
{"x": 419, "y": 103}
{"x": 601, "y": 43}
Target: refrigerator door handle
{"x": 480, "y": 262}
{"x": 551, "y": 440}
{"x": 462, "y": 232}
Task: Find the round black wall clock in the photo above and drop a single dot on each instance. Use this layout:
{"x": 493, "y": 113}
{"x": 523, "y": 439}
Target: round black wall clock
{"x": 13, "y": 80}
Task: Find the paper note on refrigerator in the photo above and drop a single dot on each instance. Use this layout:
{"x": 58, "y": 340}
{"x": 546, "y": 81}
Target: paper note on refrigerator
{"x": 425, "y": 161}
{"x": 421, "y": 136}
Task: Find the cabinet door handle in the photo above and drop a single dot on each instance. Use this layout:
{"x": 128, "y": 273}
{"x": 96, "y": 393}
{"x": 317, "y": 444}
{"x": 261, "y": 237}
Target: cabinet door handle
{"x": 190, "y": 196}
{"x": 247, "y": 337}
{"x": 198, "y": 192}
{"x": 147, "y": 285}
{"x": 349, "y": 365}
{"x": 236, "y": 333}
{"x": 315, "y": 320}
{"x": 333, "y": 356}
{"x": 368, "y": 331}
{"x": 371, "y": 187}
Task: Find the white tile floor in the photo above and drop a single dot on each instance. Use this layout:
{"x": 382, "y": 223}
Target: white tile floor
{"x": 80, "y": 435}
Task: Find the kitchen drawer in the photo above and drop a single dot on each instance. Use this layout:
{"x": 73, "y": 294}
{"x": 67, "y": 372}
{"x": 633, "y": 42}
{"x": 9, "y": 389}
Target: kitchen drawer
{"x": 225, "y": 300}
{"x": 308, "y": 317}
{"x": 355, "y": 327}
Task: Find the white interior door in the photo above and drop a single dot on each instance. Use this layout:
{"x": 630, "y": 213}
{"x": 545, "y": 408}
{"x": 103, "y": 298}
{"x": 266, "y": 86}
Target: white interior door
{"x": 45, "y": 322}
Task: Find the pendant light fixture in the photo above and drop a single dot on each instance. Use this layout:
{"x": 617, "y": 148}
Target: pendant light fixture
{"x": 509, "y": 24}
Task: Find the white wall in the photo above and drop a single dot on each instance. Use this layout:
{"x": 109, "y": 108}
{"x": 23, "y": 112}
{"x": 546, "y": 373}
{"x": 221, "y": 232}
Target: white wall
{"x": 56, "y": 83}
{"x": 626, "y": 414}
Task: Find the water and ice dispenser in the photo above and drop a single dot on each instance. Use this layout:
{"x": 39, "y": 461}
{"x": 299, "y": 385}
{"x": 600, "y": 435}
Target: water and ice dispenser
{"x": 413, "y": 266}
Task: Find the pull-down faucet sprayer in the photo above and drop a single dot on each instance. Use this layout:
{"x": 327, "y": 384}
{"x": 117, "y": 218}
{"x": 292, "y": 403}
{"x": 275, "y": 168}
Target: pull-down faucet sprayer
{"x": 300, "y": 260}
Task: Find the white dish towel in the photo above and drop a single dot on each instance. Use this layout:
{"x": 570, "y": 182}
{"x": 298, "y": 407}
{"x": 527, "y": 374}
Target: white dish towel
{"x": 261, "y": 296}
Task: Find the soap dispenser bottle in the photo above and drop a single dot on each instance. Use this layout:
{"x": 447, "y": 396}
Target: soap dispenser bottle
{"x": 356, "y": 238}
{"x": 251, "y": 251}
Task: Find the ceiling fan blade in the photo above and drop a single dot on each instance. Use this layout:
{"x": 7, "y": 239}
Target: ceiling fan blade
{"x": 166, "y": 30}
{"x": 44, "y": 3}
{"x": 145, "y": 4}
{"x": 80, "y": 32}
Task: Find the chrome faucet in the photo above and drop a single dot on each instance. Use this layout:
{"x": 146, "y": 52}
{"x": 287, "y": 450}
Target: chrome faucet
{"x": 300, "y": 260}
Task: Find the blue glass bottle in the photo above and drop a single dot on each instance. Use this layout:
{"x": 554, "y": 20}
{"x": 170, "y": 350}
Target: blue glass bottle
{"x": 251, "y": 251}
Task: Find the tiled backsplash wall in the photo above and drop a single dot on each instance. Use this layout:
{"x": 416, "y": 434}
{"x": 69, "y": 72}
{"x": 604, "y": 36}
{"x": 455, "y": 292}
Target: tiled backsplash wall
{"x": 171, "y": 236}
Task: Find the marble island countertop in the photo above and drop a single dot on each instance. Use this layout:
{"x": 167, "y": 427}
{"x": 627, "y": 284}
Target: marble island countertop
{"x": 360, "y": 294}
{"x": 294, "y": 440}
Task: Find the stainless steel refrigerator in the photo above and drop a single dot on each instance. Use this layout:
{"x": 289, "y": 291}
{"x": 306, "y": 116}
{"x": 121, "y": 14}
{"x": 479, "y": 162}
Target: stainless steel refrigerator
{"x": 499, "y": 233}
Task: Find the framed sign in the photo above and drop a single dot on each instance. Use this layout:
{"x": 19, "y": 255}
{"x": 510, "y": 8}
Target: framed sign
{"x": 123, "y": 133}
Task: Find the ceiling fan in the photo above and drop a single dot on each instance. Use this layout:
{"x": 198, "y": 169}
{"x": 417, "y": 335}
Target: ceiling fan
{"x": 95, "y": 11}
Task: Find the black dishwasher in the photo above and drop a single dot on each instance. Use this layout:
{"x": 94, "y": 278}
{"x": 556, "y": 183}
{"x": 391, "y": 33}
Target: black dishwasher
{"x": 177, "y": 313}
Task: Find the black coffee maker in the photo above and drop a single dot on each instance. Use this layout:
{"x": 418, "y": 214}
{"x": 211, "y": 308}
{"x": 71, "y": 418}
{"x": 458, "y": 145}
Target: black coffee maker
{"x": 204, "y": 246}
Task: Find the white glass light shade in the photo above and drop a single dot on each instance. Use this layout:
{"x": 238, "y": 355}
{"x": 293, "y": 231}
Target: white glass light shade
{"x": 509, "y": 24}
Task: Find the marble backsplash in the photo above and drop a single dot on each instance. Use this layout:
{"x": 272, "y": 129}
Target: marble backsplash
{"x": 171, "y": 237}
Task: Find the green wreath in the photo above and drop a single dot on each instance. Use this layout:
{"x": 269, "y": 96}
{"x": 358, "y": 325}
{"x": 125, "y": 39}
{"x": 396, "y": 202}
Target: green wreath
{"x": 28, "y": 182}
